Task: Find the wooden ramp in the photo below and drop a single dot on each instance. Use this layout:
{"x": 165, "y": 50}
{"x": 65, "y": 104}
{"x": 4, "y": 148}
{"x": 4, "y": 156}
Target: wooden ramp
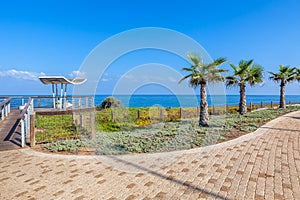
{"x": 10, "y": 132}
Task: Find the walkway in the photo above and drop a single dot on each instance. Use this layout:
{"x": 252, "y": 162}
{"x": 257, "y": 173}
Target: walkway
{"x": 262, "y": 165}
{"x": 10, "y": 132}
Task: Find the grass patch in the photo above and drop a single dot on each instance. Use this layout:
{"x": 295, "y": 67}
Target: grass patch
{"x": 52, "y": 128}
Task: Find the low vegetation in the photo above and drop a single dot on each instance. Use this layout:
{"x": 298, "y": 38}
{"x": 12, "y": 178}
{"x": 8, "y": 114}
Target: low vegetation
{"x": 52, "y": 128}
{"x": 154, "y": 136}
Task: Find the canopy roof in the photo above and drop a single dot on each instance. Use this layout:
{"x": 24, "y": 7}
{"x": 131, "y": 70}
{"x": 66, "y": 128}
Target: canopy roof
{"x": 61, "y": 80}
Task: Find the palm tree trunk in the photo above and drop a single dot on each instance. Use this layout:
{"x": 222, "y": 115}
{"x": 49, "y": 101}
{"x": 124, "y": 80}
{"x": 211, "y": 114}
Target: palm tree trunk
{"x": 204, "y": 117}
{"x": 242, "y": 104}
{"x": 282, "y": 103}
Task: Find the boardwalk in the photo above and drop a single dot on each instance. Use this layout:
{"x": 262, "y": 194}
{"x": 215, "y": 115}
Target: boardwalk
{"x": 10, "y": 132}
{"x": 261, "y": 165}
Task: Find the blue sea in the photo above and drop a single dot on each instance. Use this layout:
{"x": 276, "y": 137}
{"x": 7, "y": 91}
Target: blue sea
{"x": 171, "y": 100}
{"x": 192, "y": 101}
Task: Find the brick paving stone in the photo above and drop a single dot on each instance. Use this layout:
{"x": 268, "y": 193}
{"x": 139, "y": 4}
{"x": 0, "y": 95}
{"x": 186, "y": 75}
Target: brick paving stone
{"x": 261, "y": 165}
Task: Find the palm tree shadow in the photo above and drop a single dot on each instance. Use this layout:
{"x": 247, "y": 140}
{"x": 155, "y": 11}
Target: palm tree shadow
{"x": 280, "y": 129}
{"x": 293, "y": 117}
{"x": 188, "y": 185}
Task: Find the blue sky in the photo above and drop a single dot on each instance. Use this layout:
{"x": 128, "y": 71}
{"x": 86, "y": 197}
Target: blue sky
{"x": 54, "y": 38}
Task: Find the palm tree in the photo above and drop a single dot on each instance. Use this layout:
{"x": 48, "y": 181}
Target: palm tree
{"x": 201, "y": 74}
{"x": 245, "y": 72}
{"x": 285, "y": 75}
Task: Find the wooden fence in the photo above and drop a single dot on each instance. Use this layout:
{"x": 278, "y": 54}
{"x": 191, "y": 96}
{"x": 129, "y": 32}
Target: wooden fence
{"x": 161, "y": 114}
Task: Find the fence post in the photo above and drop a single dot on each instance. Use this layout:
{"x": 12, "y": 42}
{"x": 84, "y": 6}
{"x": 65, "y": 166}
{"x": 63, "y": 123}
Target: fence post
{"x": 28, "y": 128}
{"x": 213, "y": 110}
{"x": 290, "y": 102}
{"x": 271, "y": 104}
{"x": 25, "y": 126}
{"x": 251, "y": 106}
{"x": 2, "y": 114}
{"x": 180, "y": 113}
{"x": 198, "y": 111}
{"x": 79, "y": 102}
{"x": 9, "y": 107}
{"x": 32, "y": 133}
{"x": 22, "y": 133}
{"x": 6, "y": 110}
{"x": 112, "y": 116}
{"x": 138, "y": 114}
{"x": 93, "y": 136}
{"x": 227, "y": 108}
{"x": 28, "y": 125}
{"x": 261, "y": 104}
{"x": 73, "y": 102}
{"x": 161, "y": 115}
{"x": 80, "y": 120}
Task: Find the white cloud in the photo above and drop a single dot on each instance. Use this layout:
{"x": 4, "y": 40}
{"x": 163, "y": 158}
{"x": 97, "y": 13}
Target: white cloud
{"x": 21, "y": 74}
{"x": 172, "y": 79}
{"x": 105, "y": 79}
{"x": 77, "y": 74}
{"x": 128, "y": 76}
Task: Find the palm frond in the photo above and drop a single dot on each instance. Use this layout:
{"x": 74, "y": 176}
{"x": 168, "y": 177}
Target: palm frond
{"x": 195, "y": 82}
{"x": 255, "y": 75}
{"x": 249, "y": 63}
{"x": 200, "y": 73}
{"x": 215, "y": 63}
{"x": 233, "y": 67}
{"x": 192, "y": 68}
{"x": 231, "y": 81}
{"x": 286, "y": 74}
{"x": 185, "y": 77}
{"x": 194, "y": 58}
{"x": 297, "y": 76}
{"x": 245, "y": 72}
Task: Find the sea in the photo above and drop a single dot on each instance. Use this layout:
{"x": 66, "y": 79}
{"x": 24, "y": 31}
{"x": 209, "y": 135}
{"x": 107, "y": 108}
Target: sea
{"x": 169, "y": 101}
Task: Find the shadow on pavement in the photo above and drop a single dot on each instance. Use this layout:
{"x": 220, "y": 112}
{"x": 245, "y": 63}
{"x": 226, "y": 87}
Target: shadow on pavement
{"x": 280, "y": 129}
{"x": 190, "y": 186}
{"x": 293, "y": 117}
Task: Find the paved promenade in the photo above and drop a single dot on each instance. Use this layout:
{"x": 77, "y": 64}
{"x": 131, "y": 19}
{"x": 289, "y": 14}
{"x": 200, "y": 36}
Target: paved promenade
{"x": 262, "y": 165}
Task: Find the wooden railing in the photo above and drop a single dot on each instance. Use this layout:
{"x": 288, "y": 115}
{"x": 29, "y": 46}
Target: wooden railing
{"x": 5, "y": 108}
{"x": 24, "y": 120}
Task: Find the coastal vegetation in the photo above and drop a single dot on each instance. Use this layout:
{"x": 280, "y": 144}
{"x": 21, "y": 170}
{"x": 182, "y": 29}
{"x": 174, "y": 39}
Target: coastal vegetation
{"x": 169, "y": 136}
{"x": 201, "y": 74}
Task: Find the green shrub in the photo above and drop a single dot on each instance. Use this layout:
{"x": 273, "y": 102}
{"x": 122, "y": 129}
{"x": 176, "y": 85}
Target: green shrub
{"x": 248, "y": 127}
{"x": 110, "y": 102}
{"x": 64, "y": 145}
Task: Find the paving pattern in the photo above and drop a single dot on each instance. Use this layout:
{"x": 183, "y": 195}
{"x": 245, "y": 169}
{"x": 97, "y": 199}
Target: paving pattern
{"x": 262, "y": 165}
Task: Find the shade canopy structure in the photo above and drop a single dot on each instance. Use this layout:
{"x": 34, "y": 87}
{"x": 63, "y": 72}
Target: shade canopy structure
{"x": 61, "y": 80}
{"x": 59, "y": 100}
